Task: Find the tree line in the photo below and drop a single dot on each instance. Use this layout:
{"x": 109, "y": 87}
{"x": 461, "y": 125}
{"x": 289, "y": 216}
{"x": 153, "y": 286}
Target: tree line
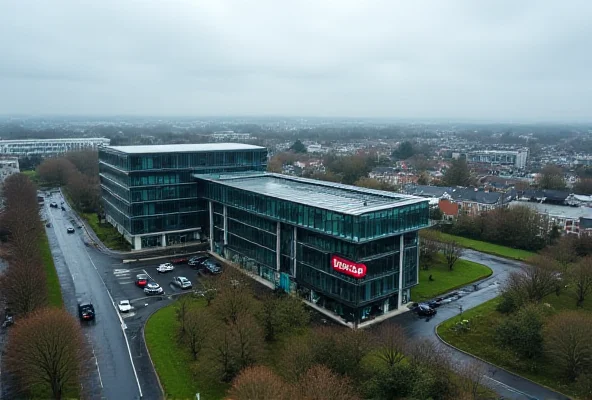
{"x": 267, "y": 347}
{"x": 518, "y": 227}
{"x": 45, "y": 352}
{"x": 78, "y": 174}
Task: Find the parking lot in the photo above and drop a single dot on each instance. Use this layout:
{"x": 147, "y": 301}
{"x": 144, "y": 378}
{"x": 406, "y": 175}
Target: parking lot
{"x": 125, "y": 278}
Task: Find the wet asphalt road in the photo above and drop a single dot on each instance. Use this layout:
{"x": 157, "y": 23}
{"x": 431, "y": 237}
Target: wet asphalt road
{"x": 113, "y": 374}
{"x": 506, "y": 384}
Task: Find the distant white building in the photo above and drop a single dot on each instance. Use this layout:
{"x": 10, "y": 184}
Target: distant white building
{"x": 49, "y": 147}
{"x": 231, "y": 135}
{"x": 517, "y": 158}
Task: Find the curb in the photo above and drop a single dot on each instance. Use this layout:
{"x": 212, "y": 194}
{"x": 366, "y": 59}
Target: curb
{"x": 148, "y": 351}
{"x": 494, "y": 365}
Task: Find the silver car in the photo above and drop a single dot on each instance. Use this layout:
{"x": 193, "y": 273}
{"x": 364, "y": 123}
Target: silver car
{"x": 182, "y": 282}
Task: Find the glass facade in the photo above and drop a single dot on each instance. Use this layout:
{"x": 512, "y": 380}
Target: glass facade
{"x": 356, "y": 228}
{"x": 156, "y": 193}
{"x": 384, "y": 241}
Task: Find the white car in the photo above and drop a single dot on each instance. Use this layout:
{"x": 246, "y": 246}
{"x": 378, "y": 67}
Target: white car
{"x": 166, "y": 267}
{"x": 124, "y": 306}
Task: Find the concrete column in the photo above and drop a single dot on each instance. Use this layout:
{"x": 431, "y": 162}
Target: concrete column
{"x": 211, "y": 207}
{"x": 163, "y": 240}
{"x": 401, "y": 254}
{"x": 225, "y": 227}
{"x": 137, "y": 243}
{"x": 277, "y": 245}
{"x": 295, "y": 249}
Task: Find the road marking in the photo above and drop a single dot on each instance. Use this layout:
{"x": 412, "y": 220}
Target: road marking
{"x": 123, "y": 326}
{"x": 148, "y": 274}
{"x": 126, "y": 283}
{"x": 96, "y": 361}
{"x": 510, "y": 388}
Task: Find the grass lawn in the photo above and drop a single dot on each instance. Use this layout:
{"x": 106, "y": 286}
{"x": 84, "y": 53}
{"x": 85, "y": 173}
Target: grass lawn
{"x": 106, "y": 233}
{"x": 173, "y": 363}
{"x": 480, "y": 341}
{"x": 53, "y": 284}
{"x": 463, "y": 273}
{"x": 489, "y": 248}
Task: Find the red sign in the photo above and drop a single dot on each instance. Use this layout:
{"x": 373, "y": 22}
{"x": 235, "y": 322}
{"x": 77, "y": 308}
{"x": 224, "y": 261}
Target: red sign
{"x": 348, "y": 267}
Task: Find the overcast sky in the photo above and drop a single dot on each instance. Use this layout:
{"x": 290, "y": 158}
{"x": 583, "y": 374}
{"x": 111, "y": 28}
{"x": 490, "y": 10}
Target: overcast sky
{"x": 474, "y": 59}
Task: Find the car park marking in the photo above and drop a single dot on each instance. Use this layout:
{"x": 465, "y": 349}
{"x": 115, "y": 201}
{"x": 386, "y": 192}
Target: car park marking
{"x": 123, "y": 276}
{"x": 148, "y": 275}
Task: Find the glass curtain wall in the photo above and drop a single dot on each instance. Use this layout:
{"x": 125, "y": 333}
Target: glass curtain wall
{"x": 357, "y": 228}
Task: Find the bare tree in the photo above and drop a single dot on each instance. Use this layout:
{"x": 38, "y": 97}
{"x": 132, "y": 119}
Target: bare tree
{"x": 296, "y": 358}
{"x": 47, "y": 350}
{"x": 452, "y": 252}
{"x": 183, "y": 306}
{"x": 391, "y": 343}
{"x": 209, "y": 290}
{"x": 581, "y": 277}
{"x": 563, "y": 252}
{"x": 198, "y": 326}
{"x": 472, "y": 376}
{"x": 320, "y": 383}
{"x": 429, "y": 247}
{"x": 259, "y": 383}
{"x": 236, "y": 344}
{"x": 234, "y": 297}
{"x": 567, "y": 342}
{"x": 56, "y": 170}
{"x": 23, "y": 284}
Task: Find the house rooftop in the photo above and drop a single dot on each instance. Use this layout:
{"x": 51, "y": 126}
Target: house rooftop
{"x": 337, "y": 197}
{"x": 556, "y": 210}
{"x": 183, "y": 148}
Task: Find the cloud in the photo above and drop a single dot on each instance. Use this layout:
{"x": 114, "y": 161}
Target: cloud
{"x": 454, "y": 59}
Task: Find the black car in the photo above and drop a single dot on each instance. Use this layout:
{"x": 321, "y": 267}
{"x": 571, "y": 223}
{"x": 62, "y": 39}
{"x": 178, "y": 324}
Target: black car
{"x": 70, "y": 230}
{"x": 197, "y": 261}
{"x": 212, "y": 267}
{"x": 423, "y": 310}
{"x": 53, "y": 205}
{"x": 86, "y": 311}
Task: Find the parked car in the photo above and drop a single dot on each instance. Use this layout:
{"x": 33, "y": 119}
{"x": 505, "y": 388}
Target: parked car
{"x": 153, "y": 288}
{"x": 182, "y": 282}
{"x": 423, "y": 310}
{"x": 86, "y": 311}
{"x": 166, "y": 267}
{"x": 141, "y": 280}
{"x": 63, "y": 208}
{"x": 197, "y": 261}
{"x": 53, "y": 205}
{"x": 212, "y": 266}
{"x": 180, "y": 260}
{"x": 435, "y": 303}
{"x": 124, "y": 306}
{"x": 70, "y": 230}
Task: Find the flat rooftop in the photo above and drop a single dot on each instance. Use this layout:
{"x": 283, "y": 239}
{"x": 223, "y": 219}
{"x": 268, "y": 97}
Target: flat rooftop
{"x": 344, "y": 199}
{"x": 555, "y": 210}
{"x": 182, "y": 148}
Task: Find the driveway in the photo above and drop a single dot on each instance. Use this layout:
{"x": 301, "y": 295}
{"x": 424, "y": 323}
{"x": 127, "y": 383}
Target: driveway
{"x": 504, "y": 383}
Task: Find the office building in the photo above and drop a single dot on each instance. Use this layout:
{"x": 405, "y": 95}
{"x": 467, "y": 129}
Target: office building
{"x": 350, "y": 251}
{"x": 149, "y": 193}
{"x": 49, "y": 147}
{"x": 516, "y": 158}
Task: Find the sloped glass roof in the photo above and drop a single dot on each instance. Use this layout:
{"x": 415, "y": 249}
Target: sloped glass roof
{"x": 337, "y": 197}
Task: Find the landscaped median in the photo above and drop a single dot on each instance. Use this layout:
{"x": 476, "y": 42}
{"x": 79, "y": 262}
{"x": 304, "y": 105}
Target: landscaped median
{"x": 480, "y": 338}
{"x": 444, "y": 280}
{"x": 485, "y": 247}
{"x": 54, "y": 291}
{"x": 106, "y": 233}
{"x": 173, "y": 362}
